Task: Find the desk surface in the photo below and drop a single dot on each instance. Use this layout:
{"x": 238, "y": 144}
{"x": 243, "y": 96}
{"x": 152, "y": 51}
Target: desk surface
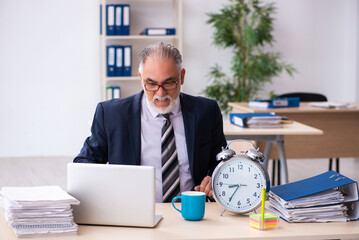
{"x": 303, "y": 108}
{"x": 340, "y": 127}
{"x": 213, "y": 226}
{"x": 294, "y": 128}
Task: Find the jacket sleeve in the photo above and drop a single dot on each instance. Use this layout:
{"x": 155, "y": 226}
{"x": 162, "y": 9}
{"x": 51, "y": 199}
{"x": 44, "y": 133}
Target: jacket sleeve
{"x": 218, "y": 138}
{"x": 94, "y": 149}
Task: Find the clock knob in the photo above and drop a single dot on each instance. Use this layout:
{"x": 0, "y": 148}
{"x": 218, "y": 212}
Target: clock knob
{"x": 255, "y": 155}
{"x": 225, "y": 154}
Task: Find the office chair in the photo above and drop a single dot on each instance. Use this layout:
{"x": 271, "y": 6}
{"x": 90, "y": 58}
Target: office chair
{"x": 303, "y": 97}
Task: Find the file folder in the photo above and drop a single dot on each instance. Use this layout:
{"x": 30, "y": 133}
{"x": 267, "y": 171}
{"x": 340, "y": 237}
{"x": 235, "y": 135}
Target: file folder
{"x": 110, "y": 19}
{"x": 275, "y": 103}
{"x": 116, "y": 92}
{"x": 329, "y": 196}
{"x": 127, "y": 62}
{"x": 109, "y": 94}
{"x": 119, "y": 61}
{"x": 255, "y": 120}
{"x": 100, "y": 19}
{"x": 118, "y": 20}
{"x": 159, "y": 31}
{"x": 126, "y": 19}
{"x": 111, "y": 61}
{"x": 317, "y": 184}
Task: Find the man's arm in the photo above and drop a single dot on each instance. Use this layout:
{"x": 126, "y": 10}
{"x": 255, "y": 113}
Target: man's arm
{"x": 94, "y": 149}
{"x": 218, "y": 141}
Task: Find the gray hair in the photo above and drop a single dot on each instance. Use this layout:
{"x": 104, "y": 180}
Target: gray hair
{"x": 162, "y": 51}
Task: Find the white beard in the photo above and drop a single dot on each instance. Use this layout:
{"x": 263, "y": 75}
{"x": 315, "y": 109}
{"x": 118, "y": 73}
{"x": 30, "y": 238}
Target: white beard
{"x": 168, "y": 109}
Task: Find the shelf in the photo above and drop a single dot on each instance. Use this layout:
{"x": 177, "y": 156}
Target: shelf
{"x": 144, "y": 13}
{"x": 139, "y": 37}
{"x": 132, "y": 78}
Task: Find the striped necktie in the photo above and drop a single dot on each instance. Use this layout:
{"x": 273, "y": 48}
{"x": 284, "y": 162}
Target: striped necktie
{"x": 170, "y": 171}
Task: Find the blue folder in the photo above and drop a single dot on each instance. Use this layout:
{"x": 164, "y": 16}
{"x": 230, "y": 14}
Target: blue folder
{"x": 111, "y": 60}
{"x": 159, "y": 31}
{"x": 119, "y": 69}
{"x": 317, "y": 184}
{"x": 110, "y": 19}
{"x": 126, "y": 18}
{"x": 127, "y": 60}
{"x": 118, "y": 19}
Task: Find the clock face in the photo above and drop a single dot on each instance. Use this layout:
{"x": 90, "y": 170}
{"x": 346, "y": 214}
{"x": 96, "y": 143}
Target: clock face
{"x": 237, "y": 184}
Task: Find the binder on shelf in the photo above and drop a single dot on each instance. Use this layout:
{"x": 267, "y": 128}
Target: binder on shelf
{"x": 275, "y": 103}
{"x": 159, "y": 31}
{"x": 127, "y": 60}
{"x": 118, "y": 20}
{"x": 119, "y": 61}
{"x": 113, "y": 92}
{"x": 108, "y": 92}
{"x": 110, "y": 19}
{"x": 111, "y": 61}
{"x": 255, "y": 120}
{"x": 311, "y": 199}
{"x": 100, "y": 19}
{"x": 125, "y": 19}
{"x": 116, "y": 92}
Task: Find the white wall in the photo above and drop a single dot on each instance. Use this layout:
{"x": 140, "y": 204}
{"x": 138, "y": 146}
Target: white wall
{"x": 49, "y": 63}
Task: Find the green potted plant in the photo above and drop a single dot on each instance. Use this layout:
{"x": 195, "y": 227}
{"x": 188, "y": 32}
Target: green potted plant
{"x": 245, "y": 26}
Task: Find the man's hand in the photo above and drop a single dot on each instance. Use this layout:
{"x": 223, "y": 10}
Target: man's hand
{"x": 205, "y": 186}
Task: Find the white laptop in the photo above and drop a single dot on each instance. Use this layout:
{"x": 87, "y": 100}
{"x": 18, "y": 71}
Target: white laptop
{"x": 119, "y": 195}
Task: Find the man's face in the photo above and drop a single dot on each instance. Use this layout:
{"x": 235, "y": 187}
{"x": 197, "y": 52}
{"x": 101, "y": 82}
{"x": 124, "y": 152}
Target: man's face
{"x": 158, "y": 71}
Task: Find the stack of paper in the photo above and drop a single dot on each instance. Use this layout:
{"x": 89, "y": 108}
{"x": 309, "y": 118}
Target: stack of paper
{"x": 39, "y": 211}
{"x": 323, "y": 198}
{"x": 255, "y": 120}
{"x": 336, "y": 105}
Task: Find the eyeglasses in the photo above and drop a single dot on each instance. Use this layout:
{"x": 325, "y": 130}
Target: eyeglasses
{"x": 154, "y": 87}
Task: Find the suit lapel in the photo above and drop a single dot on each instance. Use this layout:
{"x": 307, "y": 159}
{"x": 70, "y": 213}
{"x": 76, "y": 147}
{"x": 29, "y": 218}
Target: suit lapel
{"x": 189, "y": 120}
{"x": 134, "y": 127}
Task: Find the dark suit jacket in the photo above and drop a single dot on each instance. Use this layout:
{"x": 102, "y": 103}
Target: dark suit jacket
{"x": 116, "y": 133}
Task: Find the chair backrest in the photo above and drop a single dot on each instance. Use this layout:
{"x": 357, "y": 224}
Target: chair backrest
{"x": 305, "y": 97}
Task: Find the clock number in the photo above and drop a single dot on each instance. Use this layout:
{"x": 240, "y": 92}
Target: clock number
{"x": 240, "y": 167}
{"x": 255, "y": 176}
{"x": 249, "y": 169}
{"x": 239, "y": 203}
{"x": 255, "y": 194}
{"x": 231, "y": 169}
{"x": 258, "y": 185}
{"x": 223, "y": 193}
{"x": 225, "y": 175}
{"x": 220, "y": 184}
{"x": 248, "y": 200}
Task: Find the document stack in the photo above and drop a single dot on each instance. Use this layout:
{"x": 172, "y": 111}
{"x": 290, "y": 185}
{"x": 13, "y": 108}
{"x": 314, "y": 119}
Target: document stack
{"x": 255, "y": 120}
{"x": 275, "y": 103}
{"x": 39, "y": 211}
{"x": 327, "y": 197}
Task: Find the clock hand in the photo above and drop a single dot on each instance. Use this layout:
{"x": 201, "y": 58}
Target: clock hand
{"x": 230, "y": 198}
{"x": 232, "y": 185}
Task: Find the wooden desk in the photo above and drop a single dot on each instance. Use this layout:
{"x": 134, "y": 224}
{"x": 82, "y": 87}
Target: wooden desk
{"x": 213, "y": 226}
{"x": 340, "y": 127}
{"x": 270, "y": 136}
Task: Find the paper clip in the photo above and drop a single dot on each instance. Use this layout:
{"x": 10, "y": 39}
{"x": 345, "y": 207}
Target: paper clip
{"x": 340, "y": 178}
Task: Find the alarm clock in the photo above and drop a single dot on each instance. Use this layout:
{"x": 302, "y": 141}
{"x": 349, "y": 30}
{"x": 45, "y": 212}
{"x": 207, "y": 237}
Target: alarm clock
{"x": 238, "y": 180}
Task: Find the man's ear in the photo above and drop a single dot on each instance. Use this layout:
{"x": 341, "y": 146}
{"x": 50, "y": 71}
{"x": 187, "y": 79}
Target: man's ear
{"x": 139, "y": 74}
{"x": 183, "y": 72}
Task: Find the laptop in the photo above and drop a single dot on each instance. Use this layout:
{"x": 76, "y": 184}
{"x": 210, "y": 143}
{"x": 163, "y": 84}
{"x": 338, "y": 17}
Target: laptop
{"x": 117, "y": 195}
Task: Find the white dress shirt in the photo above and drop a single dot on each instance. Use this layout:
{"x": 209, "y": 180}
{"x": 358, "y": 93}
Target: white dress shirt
{"x": 151, "y": 126}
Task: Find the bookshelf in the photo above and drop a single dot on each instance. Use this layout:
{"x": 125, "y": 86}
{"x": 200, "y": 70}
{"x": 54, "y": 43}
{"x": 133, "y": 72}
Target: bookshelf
{"x": 143, "y": 14}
